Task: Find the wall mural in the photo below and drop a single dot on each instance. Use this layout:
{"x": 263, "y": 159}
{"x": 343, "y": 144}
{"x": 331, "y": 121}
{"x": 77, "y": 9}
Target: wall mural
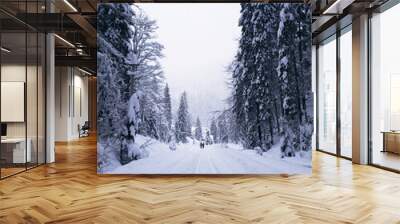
{"x": 217, "y": 88}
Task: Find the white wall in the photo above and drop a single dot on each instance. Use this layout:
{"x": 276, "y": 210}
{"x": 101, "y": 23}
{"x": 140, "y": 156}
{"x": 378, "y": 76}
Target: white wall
{"x": 71, "y": 94}
{"x": 62, "y": 82}
{"x": 79, "y": 117}
{"x": 17, "y": 73}
{"x": 34, "y": 125}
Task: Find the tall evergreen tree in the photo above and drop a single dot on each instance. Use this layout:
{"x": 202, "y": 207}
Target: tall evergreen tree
{"x": 254, "y": 76}
{"x": 114, "y": 50}
{"x": 243, "y": 67}
{"x": 271, "y": 78}
{"x": 288, "y": 75}
{"x": 129, "y": 78}
{"x": 165, "y": 116}
{"x": 214, "y": 131}
{"x": 167, "y": 106}
{"x": 208, "y": 138}
{"x": 116, "y": 59}
{"x": 149, "y": 76}
{"x": 223, "y": 132}
{"x": 303, "y": 15}
{"x": 198, "y": 134}
{"x": 183, "y": 124}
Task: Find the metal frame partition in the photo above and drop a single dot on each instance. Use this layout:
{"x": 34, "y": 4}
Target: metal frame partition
{"x": 40, "y": 37}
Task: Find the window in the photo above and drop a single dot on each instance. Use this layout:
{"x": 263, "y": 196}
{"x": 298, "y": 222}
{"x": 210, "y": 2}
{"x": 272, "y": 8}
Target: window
{"x": 346, "y": 93}
{"x": 327, "y": 96}
{"x": 385, "y": 89}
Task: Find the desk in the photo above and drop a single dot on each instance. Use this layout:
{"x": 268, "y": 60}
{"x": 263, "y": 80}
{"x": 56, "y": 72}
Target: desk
{"x": 391, "y": 141}
{"x": 13, "y": 150}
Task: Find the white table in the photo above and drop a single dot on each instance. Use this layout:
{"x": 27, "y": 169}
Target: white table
{"x": 19, "y": 154}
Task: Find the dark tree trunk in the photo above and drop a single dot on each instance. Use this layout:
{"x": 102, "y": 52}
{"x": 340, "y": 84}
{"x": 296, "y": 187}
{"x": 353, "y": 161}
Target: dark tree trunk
{"x": 259, "y": 130}
{"x": 296, "y": 75}
{"x": 271, "y": 128}
{"x": 277, "y": 116}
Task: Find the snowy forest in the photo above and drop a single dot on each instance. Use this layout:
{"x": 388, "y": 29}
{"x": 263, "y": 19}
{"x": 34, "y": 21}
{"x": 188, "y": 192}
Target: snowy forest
{"x": 265, "y": 126}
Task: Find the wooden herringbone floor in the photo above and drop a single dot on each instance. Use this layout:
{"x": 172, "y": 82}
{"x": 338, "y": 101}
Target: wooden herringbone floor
{"x": 70, "y": 191}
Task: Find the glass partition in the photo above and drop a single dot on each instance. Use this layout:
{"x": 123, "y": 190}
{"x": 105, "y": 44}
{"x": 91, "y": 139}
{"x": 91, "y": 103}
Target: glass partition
{"x": 31, "y": 99}
{"x": 41, "y": 96}
{"x": 22, "y": 77}
{"x": 14, "y": 155}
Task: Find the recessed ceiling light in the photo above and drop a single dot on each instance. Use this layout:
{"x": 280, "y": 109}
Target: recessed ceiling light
{"x": 337, "y": 7}
{"x": 84, "y": 71}
{"x": 5, "y": 50}
{"x": 70, "y": 5}
{"x": 64, "y": 40}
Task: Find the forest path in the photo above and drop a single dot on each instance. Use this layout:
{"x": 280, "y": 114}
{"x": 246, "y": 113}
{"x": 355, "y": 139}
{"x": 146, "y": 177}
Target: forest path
{"x": 213, "y": 159}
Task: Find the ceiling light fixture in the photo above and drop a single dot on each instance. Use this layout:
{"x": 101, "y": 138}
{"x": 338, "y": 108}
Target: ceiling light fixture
{"x": 337, "y": 7}
{"x": 326, "y": 11}
{"x": 5, "y": 50}
{"x": 84, "y": 71}
{"x": 70, "y": 5}
{"x": 64, "y": 40}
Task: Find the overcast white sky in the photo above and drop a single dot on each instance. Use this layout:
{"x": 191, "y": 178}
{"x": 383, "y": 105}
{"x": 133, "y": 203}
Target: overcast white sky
{"x": 200, "y": 41}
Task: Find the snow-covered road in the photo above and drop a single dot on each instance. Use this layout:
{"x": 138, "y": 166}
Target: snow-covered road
{"x": 213, "y": 159}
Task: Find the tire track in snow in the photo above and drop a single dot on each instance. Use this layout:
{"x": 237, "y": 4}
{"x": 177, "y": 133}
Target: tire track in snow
{"x": 212, "y": 162}
{"x": 245, "y": 159}
{"x": 196, "y": 170}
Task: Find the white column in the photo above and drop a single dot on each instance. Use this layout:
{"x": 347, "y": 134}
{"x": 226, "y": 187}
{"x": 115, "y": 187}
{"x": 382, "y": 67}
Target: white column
{"x": 50, "y": 99}
{"x": 360, "y": 90}
{"x": 50, "y": 92}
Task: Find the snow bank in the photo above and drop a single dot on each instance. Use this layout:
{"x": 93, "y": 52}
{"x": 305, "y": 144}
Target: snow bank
{"x": 108, "y": 152}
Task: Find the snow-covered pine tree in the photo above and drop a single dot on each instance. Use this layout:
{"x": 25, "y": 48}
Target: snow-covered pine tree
{"x": 271, "y": 26}
{"x": 271, "y": 78}
{"x": 149, "y": 116}
{"x": 113, "y": 48}
{"x": 242, "y": 68}
{"x": 214, "y": 131}
{"x": 254, "y": 77}
{"x": 167, "y": 107}
{"x": 303, "y": 15}
{"x": 183, "y": 124}
{"x": 222, "y": 129}
{"x": 150, "y": 78}
{"x": 233, "y": 134}
{"x": 261, "y": 99}
{"x": 129, "y": 68}
{"x": 208, "y": 138}
{"x": 267, "y": 47}
{"x": 116, "y": 60}
{"x": 198, "y": 134}
{"x": 164, "y": 117}
{"x": 288, "y": 75}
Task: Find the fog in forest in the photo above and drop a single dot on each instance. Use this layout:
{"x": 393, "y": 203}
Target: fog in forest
{"x": 200, "y": 41}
